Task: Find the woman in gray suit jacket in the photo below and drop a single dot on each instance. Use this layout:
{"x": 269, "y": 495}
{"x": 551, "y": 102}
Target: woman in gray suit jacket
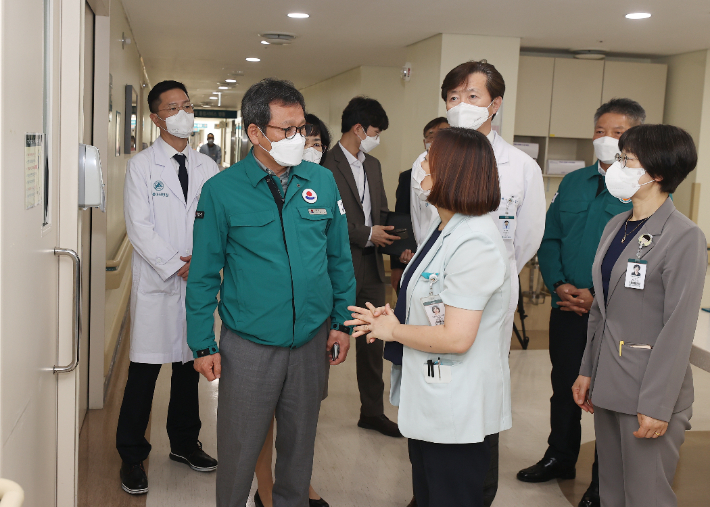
{"x": 635, "y": 376}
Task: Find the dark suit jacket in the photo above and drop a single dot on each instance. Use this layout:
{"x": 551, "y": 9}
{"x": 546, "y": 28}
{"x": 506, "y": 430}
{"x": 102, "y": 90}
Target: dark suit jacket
{"x": 626, "y": 377}
{"x": 402, "y": 205}
{"x": 336, "y": 161}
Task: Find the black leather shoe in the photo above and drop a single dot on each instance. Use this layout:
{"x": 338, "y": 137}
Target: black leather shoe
{"x": 546, "y": 469}
{"x": 591, "y": 497}
{"x": 198, "y": 459}
{"x": 317, "y": 503}
{"x": 381, "y": 424}
{"x": 133, "y": 479}
{"x": 257, "y": 499}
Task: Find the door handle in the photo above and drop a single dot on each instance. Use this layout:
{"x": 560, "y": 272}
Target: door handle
{"x": 77, "y": 310}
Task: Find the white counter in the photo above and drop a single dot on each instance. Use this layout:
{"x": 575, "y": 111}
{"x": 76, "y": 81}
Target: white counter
{"x": 700, "y": 354}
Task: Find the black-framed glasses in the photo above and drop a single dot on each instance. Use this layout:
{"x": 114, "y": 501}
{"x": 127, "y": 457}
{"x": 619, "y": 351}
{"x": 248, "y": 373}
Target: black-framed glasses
{"x": 290, "y": 132}
{"x": 623, "y": 159}
{"x": 174, "y": 108}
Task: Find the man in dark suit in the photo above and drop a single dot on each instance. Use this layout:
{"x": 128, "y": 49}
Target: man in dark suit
{"x": 359, "y": 179}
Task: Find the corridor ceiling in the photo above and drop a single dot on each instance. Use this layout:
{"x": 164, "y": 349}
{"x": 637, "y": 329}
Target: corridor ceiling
{"x": 204, "y": 42}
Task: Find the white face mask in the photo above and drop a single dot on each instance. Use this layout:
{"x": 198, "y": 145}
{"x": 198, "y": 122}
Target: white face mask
{"x": 606, "y": 148}
{"x": 369, "y": 143}
{"x": 312, "y": 155}
{"x": 427, "y": 146}
{"x": 467, "y": 116}
{"x": 180, "y": 125}
{"x": 286, "y": 152}
{"x": 623, "y": 182}
{"x": 210, "y": 142}
{"x": 418, "y": 176}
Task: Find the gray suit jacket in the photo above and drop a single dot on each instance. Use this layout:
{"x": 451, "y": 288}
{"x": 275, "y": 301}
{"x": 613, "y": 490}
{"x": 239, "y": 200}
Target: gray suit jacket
{"x": 336, "y": 161}
{"x": 655, "y": 382}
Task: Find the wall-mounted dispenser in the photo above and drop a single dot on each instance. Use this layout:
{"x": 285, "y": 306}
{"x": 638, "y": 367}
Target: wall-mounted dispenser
{"x": 92, "y": 191}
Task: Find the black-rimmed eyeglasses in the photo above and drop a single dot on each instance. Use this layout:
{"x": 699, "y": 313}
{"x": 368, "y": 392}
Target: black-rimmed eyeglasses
{"x": 290, "y": 132}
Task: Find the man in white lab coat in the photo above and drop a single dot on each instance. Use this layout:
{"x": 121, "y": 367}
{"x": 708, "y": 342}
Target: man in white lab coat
{"x": 473, "y": 93}
{"x": 163, "y": 185}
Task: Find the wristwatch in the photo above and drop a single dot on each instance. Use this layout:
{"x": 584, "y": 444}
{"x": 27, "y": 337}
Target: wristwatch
{"x": 207, "y": 352}
{"x": 591, "y": 290}
{"x": 341, "y": 328}
{"x": 557, "y": 284}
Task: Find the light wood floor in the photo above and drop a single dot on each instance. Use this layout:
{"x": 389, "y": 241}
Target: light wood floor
{"x": 354, "y": 467}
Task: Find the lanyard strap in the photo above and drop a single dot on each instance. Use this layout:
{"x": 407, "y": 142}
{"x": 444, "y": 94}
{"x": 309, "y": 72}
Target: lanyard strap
{"x": 364, "y": 185}
{"x": 278, "y": 198}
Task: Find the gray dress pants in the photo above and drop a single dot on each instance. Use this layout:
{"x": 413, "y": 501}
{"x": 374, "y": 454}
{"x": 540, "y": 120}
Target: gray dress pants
{"x": 256, "y": 382}
{"x": 637, "y": 472}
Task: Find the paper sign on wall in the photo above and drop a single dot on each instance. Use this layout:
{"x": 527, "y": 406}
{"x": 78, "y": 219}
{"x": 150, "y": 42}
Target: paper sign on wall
{"x": 34, "y": 170}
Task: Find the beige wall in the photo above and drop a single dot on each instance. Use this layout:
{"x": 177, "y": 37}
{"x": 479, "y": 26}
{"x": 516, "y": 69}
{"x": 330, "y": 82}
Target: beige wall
{"x": 328, "y": 98}
{"x": 125, "y": 67}
{"x": 703, "y": 171}
{"x": 684, "y": 96}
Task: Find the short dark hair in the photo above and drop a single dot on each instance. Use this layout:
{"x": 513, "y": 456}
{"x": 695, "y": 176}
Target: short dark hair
{"x": 210, "y": 134}
{"x": 495, "y": 84}
{"x": 366, "y": 112}
{"x": 463, "y": 167}
{"x": 256, "y": 104}
{"x": 629, "y": 108}
{"x": 664, "y": 151}
{"x": 162, "y": 87}
{"x": 435, "y": 123}
{"x": 319, "y": 129}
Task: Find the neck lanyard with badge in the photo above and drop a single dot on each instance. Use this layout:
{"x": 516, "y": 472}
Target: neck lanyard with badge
{"x": 636, "y": 268}
{"x": 364, "y": 184}
{"x": 506, "y": 221}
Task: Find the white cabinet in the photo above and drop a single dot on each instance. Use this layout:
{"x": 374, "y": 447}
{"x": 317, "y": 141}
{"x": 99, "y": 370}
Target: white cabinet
{"x": 532, "y": 109}
{"x": 576, "y": 95}
{"x": 643, "y": 82}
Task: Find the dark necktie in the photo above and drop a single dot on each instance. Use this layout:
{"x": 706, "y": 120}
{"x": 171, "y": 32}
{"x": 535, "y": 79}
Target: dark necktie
{"x": 182, "y": 173}
{"x": 600, "y": 185}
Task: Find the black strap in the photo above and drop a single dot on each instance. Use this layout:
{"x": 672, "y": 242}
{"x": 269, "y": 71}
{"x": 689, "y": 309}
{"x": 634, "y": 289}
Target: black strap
{"x": 278, "y": 198}
{"x": 600, "y": 185}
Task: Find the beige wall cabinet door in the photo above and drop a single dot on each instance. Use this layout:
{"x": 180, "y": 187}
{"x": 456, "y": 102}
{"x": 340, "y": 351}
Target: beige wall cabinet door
{"x": 576, "y": 95}
{"x": 643, "y": 82}
{"x": 532, "y": 116}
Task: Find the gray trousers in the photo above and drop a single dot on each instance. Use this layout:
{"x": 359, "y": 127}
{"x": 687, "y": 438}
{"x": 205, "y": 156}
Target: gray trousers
{"x": 256, "y": 382}
{"x": 637, "y": 472}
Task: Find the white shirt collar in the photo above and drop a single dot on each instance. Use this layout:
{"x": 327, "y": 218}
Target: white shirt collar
{"x": 170, "y": 152}
{"x": 491, "y": 136}
{"x": 349, "y": 156}
{"x": 599, "y": 168}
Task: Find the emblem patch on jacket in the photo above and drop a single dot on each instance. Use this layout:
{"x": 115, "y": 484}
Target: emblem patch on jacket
{"x": 199, "y": 214}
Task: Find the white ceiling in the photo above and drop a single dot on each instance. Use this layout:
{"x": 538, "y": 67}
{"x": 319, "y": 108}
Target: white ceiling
{"x": 201, "y": 43}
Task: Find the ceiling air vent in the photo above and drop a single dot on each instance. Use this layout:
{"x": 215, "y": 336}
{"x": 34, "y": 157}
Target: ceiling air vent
{"x": 278, "y": 38}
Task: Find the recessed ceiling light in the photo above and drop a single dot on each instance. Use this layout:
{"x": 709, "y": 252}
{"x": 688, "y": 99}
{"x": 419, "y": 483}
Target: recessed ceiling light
{"x": 224, "y": 87}
{"x": 298, "y": 15}
{"x": 230, "y": 80}
{"x": 253, "y": 59}
{"x": 638, "y": 15}
{"x": 265, "y": 43}
{"x": 214, "y": 98}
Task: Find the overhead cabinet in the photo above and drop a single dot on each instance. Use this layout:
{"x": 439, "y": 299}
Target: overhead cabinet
{"x": 576, "y": 95}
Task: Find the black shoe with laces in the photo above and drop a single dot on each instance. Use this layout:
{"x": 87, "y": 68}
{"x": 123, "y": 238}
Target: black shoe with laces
{"x": 133, "y": 479}
{"x": 198, "y": 459}
{"x": 545, "y": 470}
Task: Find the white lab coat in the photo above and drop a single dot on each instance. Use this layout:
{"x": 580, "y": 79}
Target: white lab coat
{"x": 159, "y": 225}
{"x": 522, "y": 196}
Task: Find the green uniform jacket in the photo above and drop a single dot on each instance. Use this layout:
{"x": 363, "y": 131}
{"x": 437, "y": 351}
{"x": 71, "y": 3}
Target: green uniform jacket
{"x": 573, "y": 228}
{"x": 270, "y": 294}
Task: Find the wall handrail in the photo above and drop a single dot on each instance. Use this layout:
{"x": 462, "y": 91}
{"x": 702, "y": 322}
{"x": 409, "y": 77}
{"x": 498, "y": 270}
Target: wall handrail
{"x": 11, "y": 494}
{"x": 123, "y": 253}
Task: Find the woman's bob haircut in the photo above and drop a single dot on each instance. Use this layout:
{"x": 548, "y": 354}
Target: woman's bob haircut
{"x": 464, "y": 171}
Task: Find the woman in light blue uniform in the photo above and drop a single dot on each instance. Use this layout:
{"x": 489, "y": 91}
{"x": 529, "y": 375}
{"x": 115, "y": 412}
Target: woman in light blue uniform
{"x": 455, "y": 386}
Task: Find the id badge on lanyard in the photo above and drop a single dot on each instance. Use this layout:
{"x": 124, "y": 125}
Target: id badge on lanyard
{"x": 433, "y": 305}
{"x": 636, "y": 268}
{"x": 506, "y": 221}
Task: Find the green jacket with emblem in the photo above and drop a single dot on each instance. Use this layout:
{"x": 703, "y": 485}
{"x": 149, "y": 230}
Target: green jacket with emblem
{"x": 280, "y": 284}
{"x": 573, "y": 228}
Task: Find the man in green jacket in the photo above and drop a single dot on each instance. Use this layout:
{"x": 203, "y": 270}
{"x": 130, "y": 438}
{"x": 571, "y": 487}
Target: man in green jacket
{"x": 276, "y": 227}
{"x": 574, "y": 225}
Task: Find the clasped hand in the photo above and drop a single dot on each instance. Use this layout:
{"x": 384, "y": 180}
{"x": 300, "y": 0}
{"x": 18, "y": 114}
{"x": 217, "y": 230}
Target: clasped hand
{"x": 376, "y": 323}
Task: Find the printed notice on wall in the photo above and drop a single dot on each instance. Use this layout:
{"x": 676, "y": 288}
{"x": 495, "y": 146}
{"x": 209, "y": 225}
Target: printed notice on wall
{"x": 34, "y": 169}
